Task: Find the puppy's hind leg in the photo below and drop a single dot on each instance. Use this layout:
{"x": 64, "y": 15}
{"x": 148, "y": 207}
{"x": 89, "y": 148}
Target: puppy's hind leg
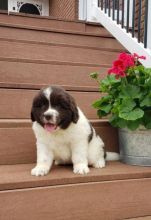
{"x": 80, "y": 157}
{"x": 96, "y": 153}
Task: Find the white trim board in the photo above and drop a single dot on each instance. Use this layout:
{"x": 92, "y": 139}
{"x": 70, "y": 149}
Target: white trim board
{"x": 42, "y": 5}
{"x": 82, "y": 9}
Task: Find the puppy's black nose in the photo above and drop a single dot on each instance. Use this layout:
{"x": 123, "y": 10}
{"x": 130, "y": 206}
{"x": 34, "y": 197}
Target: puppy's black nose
{"x": 48, "y": 117}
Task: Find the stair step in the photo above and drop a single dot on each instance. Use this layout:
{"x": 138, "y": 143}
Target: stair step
{"x": 33, "y": 53}
{"x": 16, "y": 103}
{"x": 62, "y": 39}
{"x": 37, "y": 75}
{"x": 116, "y": 192}
{"x": 141, "y": 218}
{"x": 51, "y": 25}
{"x": 17, "y": 139}
{"x": 18, "y": 176}
{"x": 39, "y": 52}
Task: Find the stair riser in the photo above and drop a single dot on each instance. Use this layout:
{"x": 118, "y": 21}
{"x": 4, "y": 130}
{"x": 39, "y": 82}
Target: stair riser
{"x": 59, "y": 39}
{"x": 34, "y": 75}
{"x": 55, "y": 53}
{"x": 42, "y": 23}
{"x": 110, "y": 200}
{"x": 18, "y": 144}
{"x": 16, "y": 103}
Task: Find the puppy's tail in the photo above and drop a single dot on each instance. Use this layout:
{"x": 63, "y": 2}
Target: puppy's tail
{"x": 112, "y": 156}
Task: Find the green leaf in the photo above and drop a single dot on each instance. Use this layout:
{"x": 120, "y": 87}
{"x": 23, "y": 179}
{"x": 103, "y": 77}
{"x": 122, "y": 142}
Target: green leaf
{"x": 130, "y": 91}
{"x": 94, "y": 75}
{"x": 147, "y": 120}
{"x": 105, "y": 82}
{"x": 106, "y": 108}
{"x": 133, "y": 125}
{"x": 148, "y": 126}
{"x": 112, "y": 79}
{"x": 117, "y": 122}
{"x": 101, "y": 113}
{"x": 97, "y": 103}
{"x": 127, "y": 105}
{"x": 105, "y": 99}
{"x": 133, "y": 115}
{"x": 146, "y": 101}
{"x": 147, "y": 82}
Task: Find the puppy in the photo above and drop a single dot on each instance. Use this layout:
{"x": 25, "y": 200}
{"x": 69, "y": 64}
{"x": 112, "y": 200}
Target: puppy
{"x": 64, "y": 135}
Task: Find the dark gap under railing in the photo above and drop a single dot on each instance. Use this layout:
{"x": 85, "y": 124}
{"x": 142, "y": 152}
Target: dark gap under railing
{"x": 146, "y": 24}
{"x": 130, "y": 14}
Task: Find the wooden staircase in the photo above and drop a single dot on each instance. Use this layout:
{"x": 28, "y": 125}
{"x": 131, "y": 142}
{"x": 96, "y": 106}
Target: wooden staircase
{"x": 35, "y": 52}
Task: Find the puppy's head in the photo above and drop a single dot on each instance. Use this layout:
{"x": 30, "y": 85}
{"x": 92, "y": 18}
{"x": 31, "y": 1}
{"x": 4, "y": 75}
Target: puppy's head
{"x": 54, "y": 108}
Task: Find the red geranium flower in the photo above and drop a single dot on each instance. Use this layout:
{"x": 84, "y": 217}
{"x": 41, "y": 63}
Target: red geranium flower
{"x": 120, "y": 65}
{"x": 127, "y": 59}
{"x": 117, "y": 71}
{"x": 139, "y": 57}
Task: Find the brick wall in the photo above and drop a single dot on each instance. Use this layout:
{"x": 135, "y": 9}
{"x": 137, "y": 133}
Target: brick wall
{"x": 142, "y": 17}
{"x": 64, "y": 9}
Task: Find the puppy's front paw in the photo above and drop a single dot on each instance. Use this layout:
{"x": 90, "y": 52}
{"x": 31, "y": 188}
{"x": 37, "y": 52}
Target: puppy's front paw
{"x": 40, "y": 170}
{"x": 81, "y": 168}
{"x": 100, "y": 163}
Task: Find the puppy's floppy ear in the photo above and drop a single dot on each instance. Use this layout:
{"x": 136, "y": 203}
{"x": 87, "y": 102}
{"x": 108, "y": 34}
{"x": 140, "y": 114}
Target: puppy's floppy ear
{"x": 32, "y": 112}
{"x": 74, "y": 109}
{"x": 32, "y": 115}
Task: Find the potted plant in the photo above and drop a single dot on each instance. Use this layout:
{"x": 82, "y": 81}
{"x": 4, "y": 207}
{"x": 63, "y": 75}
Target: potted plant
{"x": 126, "y": 99}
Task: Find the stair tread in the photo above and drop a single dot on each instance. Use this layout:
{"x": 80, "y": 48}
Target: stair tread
{"x": 36, "y": 75}
{"x": 49, "y": 24}
{"x": 18, "y": 176}
{"x": 17, "y": 50}
{"x": 61, "y": 39}
{"x": 140, "y": 218}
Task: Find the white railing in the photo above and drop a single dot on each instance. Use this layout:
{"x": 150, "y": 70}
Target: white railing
{"x": 90, "y": 11}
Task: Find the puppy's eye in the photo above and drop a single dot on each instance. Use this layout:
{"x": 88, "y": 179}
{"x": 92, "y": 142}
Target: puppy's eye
{"x": 40, "y": 104}
{"x": 64, "y": 103}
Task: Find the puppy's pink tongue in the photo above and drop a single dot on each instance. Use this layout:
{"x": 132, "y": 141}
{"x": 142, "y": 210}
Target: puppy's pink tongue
{"x": 50, "y": 127}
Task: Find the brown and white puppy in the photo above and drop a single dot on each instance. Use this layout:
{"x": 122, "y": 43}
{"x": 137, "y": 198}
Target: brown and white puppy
{"x": 64, "y": 134}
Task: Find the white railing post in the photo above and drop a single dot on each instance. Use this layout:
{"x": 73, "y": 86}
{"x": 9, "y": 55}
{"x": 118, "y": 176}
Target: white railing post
{"x": 149, "y": 25}
{"x": 130, "y": 12}
{"x": 91, "y": 6}
{"x": 82, "y": 9}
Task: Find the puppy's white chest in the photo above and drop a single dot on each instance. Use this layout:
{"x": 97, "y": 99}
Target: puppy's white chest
{"x": 62, "y": 152}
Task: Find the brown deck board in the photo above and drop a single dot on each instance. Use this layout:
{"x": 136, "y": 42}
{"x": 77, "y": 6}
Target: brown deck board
{"x": 107, "y": 200}
{"x": 43, "y": 23}
{"x": 18, "y": 176}
{"x": 17, "y": 139}
{"x": 19, "y": 102}
{"x": 140, "y": 218}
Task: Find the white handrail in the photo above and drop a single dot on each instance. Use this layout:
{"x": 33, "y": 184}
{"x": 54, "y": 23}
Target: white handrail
{"x": 94, "y": 13}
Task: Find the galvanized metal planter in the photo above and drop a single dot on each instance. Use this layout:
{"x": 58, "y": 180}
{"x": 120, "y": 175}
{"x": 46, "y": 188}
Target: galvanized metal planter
{"x": 135, "y": 147}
